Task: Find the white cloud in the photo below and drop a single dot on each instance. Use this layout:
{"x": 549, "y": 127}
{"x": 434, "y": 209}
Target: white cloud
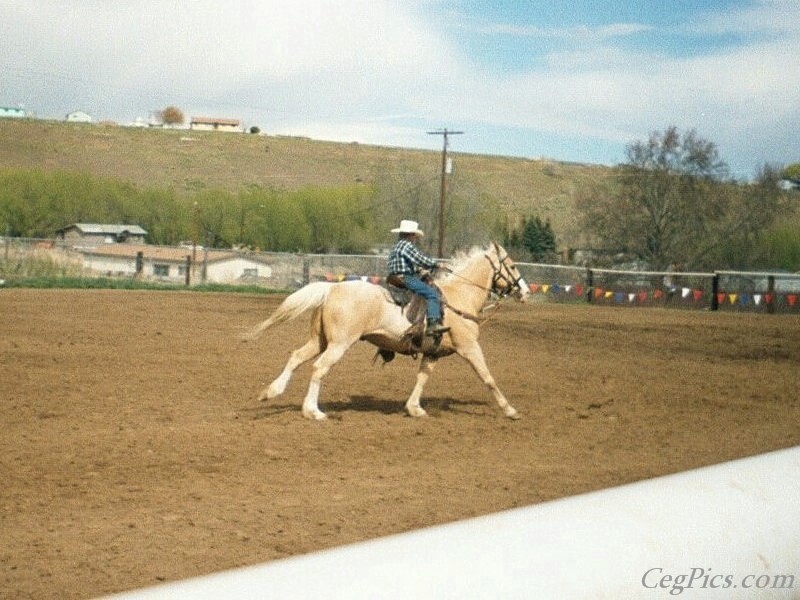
{"x": 742, "y": 96}
{"x": 761, "y": 17}
{"x": 584, "y": 33}
{"x": 357, "y": 51}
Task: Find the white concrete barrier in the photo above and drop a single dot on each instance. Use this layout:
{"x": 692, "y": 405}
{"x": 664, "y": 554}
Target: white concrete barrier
{"x": 726, "y": 531}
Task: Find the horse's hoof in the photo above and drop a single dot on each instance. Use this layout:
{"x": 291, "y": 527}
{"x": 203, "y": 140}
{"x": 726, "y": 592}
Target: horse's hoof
{"x": 514, "y": 416}
{"x": 273, "y": 391}
{"x": 417, "y": 412}
{"x": 315, "y": 415}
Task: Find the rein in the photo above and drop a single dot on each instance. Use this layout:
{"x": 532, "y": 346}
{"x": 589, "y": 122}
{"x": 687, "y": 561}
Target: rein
{"x": 499, "y": 274}
{"x": 463, "y": 314}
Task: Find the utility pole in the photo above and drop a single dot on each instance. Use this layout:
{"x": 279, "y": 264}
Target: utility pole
{"x": 443, "y": 189}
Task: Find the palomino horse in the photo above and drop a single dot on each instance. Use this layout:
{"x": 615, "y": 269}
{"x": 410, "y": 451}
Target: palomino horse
{"x": 349, "y": 311}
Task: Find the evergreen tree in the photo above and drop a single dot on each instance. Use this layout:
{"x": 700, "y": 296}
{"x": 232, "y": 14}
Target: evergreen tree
{"x": 538, "y": 238}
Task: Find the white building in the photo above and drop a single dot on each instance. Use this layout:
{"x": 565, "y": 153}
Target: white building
{"x": 9, "y": 112}
{"x": 788, "y": 185}
{"x": 78, "y": 116}
{"x": 170, "y": 264}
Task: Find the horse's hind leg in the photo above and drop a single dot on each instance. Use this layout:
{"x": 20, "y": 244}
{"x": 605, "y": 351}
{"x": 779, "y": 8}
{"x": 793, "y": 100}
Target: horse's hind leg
{"x": 305, "y": 353}
{"x": 322, "y": 365}
{"x": 313, "y": 347}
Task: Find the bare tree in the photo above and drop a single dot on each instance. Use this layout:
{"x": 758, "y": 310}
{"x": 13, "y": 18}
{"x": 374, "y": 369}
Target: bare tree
{"x": 673, "y": 202}
{"x": 662, "y": 203}
{"x": 172, "y": 115}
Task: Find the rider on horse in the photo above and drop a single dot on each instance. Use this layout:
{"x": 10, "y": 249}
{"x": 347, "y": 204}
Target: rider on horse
{"x": 404, "y": 265}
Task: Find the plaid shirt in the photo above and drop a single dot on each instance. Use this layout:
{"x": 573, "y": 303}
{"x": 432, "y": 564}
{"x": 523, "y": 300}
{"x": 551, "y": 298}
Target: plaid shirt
{"x": 406, "y": 259}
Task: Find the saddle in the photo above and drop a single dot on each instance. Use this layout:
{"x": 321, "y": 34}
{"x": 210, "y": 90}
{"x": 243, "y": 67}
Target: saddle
{"x": 414, "y": 307}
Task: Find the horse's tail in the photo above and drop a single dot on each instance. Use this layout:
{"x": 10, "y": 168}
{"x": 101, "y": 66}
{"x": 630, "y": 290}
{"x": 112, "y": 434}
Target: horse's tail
{"x": 306, "y": 298}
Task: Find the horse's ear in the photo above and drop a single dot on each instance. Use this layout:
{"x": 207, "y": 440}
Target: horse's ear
{"x": 496, "y": 247}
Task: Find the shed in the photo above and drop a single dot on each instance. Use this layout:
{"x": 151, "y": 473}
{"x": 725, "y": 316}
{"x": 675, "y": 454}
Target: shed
{"x": 98, "y": 233}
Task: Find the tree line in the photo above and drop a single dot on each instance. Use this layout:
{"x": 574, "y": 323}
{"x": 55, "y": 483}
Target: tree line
{"x": 36, "y": 204}
{"x": 352, "y": 219}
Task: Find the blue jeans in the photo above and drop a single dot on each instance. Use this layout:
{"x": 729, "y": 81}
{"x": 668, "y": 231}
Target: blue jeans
{"x": 433, "y": 306}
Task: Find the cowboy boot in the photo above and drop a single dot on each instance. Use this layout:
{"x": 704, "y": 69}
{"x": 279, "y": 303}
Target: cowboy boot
{"x": 436, "y": 328}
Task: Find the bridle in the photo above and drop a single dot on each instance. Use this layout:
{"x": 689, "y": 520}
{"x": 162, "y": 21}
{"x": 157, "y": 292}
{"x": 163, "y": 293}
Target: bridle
{"x": 504, "y": 283}
{"x": 502, "y": 274}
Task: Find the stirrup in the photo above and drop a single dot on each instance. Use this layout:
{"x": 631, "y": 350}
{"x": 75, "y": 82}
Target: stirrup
{"x": 436, "y": 328}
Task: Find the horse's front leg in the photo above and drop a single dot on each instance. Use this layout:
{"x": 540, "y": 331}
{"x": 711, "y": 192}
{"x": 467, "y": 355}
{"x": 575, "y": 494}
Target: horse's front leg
{"x": 474, "y": 356}
{"x": 412, "y": 404}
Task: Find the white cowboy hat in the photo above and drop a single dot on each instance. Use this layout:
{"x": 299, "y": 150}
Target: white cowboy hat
{"x": 407, "y": 226}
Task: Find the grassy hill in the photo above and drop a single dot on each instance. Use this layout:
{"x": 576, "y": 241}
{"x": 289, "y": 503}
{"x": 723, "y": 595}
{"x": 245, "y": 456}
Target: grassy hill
{"x": 188, "y": 161}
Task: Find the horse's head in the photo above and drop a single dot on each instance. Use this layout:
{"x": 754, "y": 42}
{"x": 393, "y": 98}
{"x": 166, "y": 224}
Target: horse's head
{"x": 506, "y": 280}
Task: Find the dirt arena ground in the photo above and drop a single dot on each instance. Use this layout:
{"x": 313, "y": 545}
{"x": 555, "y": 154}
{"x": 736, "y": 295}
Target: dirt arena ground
{"x": 133, "y": 450}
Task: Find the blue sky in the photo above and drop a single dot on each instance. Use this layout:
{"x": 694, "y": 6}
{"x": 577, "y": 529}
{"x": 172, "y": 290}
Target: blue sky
{"x": 573, "y": 81}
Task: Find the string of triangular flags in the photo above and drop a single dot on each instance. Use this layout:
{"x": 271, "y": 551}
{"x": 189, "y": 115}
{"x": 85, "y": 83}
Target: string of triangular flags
{"x": 686, "y": 294}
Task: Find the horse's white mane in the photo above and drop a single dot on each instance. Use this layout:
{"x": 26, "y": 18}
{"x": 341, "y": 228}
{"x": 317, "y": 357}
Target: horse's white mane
{"x": 462, "y": 259}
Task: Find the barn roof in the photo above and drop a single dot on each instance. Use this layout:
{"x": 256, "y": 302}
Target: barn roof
{"x": 215, "y": 121}
{"x": 104, "y": 229}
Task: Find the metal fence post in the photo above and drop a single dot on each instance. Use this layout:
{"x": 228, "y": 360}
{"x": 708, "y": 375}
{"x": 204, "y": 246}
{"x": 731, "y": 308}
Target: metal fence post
{"x": 715, "y": 292}
{"x": 139, "y": 265}
{"x": 306, "y": 270}
{"x": 770, "y": 294}
{"x": 589, "y": 285}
